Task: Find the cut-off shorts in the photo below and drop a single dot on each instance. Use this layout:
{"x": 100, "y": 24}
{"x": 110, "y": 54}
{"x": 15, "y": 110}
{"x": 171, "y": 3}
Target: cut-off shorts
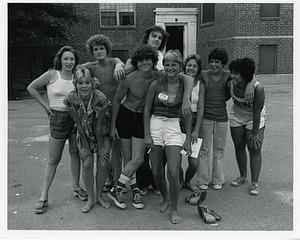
{"x": 239, "y": 117}
{"x": 165, "y": 131}
{"x": 61, "y": 125}
{"x": 130, "y": 124}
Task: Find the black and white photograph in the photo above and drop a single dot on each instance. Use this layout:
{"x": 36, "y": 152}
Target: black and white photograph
{"x": 94, "y": 92}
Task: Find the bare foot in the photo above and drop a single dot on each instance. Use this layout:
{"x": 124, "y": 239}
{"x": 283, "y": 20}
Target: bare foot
{"x": 103, "y": 203}
{"x": 163, "y": 206}
{"x": 175, "y": 218}
{"x": 190, "y": 187}
{"x": 87, "y": 207}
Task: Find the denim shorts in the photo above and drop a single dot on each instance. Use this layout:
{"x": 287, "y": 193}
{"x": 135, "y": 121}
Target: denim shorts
{"x": 61, "y": 125}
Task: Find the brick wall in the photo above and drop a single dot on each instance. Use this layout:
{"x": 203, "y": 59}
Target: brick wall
{"x": 242, "y": 19}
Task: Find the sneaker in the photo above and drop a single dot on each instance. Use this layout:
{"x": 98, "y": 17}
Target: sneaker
{"x": 143, "y": 192}
{"x": 239, "y": 181}
{"x": 217, "y": 186}
{"x": 126, "y": 189}
{"x": 137, "y": 201}
{"x": 116, "y": 196}
{"x": 254, "y": 190}
{"x": 203, "y": 187}
{"x": 156, "y": 191}
{"x": 106, "y": 188}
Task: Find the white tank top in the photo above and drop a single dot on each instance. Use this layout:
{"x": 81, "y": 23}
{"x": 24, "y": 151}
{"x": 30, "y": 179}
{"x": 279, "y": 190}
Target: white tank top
{"x": 194, "y": 97}
{"x": 57, "y": 90}
{"x": 159, "y": 64}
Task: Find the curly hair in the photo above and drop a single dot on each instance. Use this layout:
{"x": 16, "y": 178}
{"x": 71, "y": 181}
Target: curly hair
{"x": 219, "y": 54}
{"x": 173, "y": 55}
{"x": 244, "y": 66}
{"x": 197, "y": 59}
{"x": 144, "y": 52}
{"x": 97, "y": 40}
{"x": 57, "y": 59}
{"x": 83, "y": 73}
{"x": 164, "y": 34}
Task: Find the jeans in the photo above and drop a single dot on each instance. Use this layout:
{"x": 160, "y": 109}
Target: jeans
{"x": 212, "y": 132}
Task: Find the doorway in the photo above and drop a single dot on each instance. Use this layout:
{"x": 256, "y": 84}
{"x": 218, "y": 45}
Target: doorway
{"x": 267, "y": 59}
{"x": 176, "y": 38}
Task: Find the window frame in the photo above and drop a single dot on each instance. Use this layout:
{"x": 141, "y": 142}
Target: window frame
{"x": 207, "y": 23}
{"x": 269, "y": 17}
{"x": 118, "y": 9}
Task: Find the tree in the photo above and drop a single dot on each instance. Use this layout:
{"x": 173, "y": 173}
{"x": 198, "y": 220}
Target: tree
{"x": 30, "y": 23}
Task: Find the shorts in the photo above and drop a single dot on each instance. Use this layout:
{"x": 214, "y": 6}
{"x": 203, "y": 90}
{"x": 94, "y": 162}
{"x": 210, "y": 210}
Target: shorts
{"x": 130, "y": 124}
{"x": 61, "y": 125}
{"x": 182, "y": 126}
{"x": 165, "y": 131}
{"x": 240, "y": 117}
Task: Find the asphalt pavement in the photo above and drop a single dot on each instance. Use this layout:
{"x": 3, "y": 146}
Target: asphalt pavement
{"x": 269, "y": 213}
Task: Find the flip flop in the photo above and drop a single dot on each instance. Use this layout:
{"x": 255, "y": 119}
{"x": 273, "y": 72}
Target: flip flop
{"x": 198, "y": 199}
{"x": 188, "y": 198}
{"x": 205, "y": 215}
{"x": 81, "y": 194}
{"x": 217, "y": 216}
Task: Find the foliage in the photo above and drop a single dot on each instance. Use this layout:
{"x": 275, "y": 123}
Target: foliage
{"x": 40, "y": 22}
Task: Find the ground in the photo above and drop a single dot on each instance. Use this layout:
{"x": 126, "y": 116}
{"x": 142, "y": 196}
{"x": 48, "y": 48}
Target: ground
{"x": 272, "y": 210}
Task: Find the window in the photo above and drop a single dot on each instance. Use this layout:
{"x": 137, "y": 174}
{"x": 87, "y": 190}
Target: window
{"x": 268, "y": 10}
{"x": 208, "y": 13}
{"x": 117, "y": 14}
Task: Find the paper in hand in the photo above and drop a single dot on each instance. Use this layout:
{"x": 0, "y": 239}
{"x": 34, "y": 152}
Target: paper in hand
{"x": 195, "y": 147}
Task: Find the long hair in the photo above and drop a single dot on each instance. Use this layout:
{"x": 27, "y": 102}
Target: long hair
{"x": 57, "y": 59}
{"x": 164, "y": 34}
{"x": 197, "y": 59}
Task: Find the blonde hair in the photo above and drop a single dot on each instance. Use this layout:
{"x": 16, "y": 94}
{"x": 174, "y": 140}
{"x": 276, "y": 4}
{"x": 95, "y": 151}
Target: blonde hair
{"x": 83, "y": 73}
{"x": 173, "y": 55}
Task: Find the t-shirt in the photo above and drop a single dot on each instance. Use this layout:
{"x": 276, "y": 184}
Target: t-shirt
{"x": 215, "y": 99}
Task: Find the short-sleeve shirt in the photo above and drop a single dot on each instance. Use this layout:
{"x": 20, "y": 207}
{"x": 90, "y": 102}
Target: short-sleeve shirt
{"x": 98, "y": 104}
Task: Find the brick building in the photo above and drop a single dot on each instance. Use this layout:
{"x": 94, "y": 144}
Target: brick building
{"x": 263, "y": 32}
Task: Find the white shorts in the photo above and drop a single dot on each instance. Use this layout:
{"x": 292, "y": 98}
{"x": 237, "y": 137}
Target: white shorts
{"x": 165, "y": 131}
{"x": 240, "y": 117}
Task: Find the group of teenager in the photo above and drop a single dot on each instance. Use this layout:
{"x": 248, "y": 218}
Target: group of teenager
{"x": 130, "y": 119}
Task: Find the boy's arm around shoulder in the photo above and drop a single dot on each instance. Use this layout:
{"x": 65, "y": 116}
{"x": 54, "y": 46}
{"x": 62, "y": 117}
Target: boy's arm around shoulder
{"x": 186, "y": 100}
{"x": 119, "y": 71}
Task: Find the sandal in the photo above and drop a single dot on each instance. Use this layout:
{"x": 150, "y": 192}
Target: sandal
{"x": 205, "y": 215}
{"x": 41, "y": 207}
{"x": 81, "y": 194}
{"x": 188, "y": 198}
{"x": 198, "y": 199}
{"x": 217, "y": 216}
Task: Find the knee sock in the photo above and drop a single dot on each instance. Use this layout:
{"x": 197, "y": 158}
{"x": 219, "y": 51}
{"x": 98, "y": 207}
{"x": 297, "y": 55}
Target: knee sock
{"x": 132, "y": 182}
{"x": 122, "y": 181}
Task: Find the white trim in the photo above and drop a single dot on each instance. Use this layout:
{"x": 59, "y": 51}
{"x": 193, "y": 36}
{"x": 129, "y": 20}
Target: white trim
{"x": 264, "y": 37}
{"x": 253, "y": 37}
{"x": 186, "y": 17}
{"x": 172, "y": 11}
